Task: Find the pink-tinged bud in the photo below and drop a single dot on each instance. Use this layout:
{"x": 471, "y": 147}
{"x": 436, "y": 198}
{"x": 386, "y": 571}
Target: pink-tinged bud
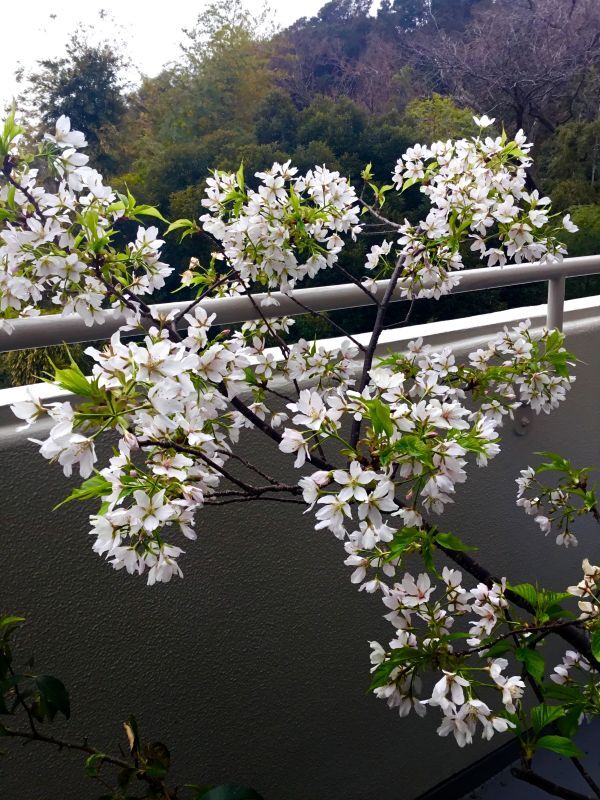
{"x": 131, "y": 440}
{"x": 193, "y": 494}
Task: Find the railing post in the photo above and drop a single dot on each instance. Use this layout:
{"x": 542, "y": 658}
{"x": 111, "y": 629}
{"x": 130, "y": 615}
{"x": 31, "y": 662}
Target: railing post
{"x": 556, "y": 303}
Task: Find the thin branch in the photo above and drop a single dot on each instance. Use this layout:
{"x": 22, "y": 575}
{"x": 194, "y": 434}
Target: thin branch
{"x": 65, "y": 744}
{"x": 7, "y": 168}
{"x": 134, "y": 304}
{"x": 570, "y": 633}
{"x": 376, "y": 333}
{"x": 274, "y": 392}
{"x": 549, "y": 627}
{"x": 263, "y": 426}
{"x": 193, "y": 451}
{"x": 585, "y": 775}
{"x": 285, "y": 350}
{"x": 252, "y": 467}
{"x": 373, "y": 297}
{"x": 177, "y": 319}
{"x": 253, "y": 498}
{"x": 379, "y": 216}
{"x": 338, "y": 328}
{"x": 528, "y": 776}
{"x": 404, "y": 321}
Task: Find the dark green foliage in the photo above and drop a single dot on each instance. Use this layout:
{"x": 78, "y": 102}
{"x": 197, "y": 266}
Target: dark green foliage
{"x": 86, "y": 86}
{"x": 344, "y": 88}
{"x": 29, "y": 703}
{"x": 21, "y": 367}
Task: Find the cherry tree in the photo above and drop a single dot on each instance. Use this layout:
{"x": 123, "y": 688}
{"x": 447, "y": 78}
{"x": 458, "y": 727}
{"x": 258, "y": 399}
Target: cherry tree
{"x": 380, "y": 442}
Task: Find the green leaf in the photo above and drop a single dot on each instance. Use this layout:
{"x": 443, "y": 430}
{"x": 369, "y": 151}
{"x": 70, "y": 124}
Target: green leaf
{"x": 54, "y": 695}
{"x": 555, "y": 464}
{"x": 407, "y": 184}
{"x": 148, "y": 211}
{"x": 451, "y": 542}
{"x": 239, "y": 176}
{"x": 229, "y": 791}
{"x": 560, "y": 745}
{"x": 498, "y": 649}
{"x": 596, "y": 643}
{"x": 402, "y": 539}
{"x": 566, "y": 694}
{"x": 180, "y": 223}
{"x": 73, "y": 380}
{"x": 8, "y": 624}
{"x": 381, "y": 418}
{"x": 400, "y": 656}
{"x": 543, "y": 715}
{"x": 93, "y": 764}
{"x": 96, "y": 486}
{"x": 569, "y": 724}
{"x": 527, "y": 592}
{"x": 534, "y": 663}
{"x": 427, "y": 552}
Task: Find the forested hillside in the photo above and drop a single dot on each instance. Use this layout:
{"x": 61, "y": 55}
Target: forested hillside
{"x": 346, "y": 88}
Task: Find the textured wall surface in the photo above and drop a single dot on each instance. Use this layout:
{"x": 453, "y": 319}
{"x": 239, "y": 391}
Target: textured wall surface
{"x": 253, "y": 668}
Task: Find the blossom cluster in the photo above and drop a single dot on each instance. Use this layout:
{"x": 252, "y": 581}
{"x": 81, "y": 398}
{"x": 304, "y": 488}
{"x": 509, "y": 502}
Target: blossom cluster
{"x": 478, "y": 195}
{"x": 560, "y": 505}
{"x": 422, "y": 426}
{"x": 49, "y": 244}
{"x": 384, "y": 441}
{"x": 288, "y": 229}
{"x": 424, "y": 624}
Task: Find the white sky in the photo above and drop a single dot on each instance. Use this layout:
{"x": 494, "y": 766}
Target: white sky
{"x": 152, "y": 32}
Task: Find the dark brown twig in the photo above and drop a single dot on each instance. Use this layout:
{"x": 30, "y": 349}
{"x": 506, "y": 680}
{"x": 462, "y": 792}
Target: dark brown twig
{"x": 554, "y": 789}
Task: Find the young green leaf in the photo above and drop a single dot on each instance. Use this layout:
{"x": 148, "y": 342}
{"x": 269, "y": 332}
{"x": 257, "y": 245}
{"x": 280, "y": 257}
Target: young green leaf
{"x": 451, "y": 542}
{"x": 527, "y": 592}
{"x": 534, "y": 663}
{"x": 96, "y": 486}
{"x": 543, "y": 715}
{"x": 560, "y": 745}
{"x": 596, "y": 643}
{"x": 54, "y": 696}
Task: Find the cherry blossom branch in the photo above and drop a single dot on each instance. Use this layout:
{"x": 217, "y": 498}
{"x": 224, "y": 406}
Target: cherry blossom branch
{"x": 64, "y": 744}
{"x": 7, "y": 168}
{"x": 570, "y": 633}
{"x": 264, "y": 385}
{"x": 528, "y": 776}
{"x": 252, "y": 467}
{"x": 379, "y": 216}
{"x": 357, "y": 282}
{"x": 263, "y": 426}
{"x": 372, "y": 346}
{"x": 220, "y": 282}
{"x": 193, "y": 451}
{"x": 547, "y": 628}
{"x": 252, "y": 498}
{"x": 133, "y": 302}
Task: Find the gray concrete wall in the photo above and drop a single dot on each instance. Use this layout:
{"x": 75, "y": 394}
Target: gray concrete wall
{"x": 254, "y": 667}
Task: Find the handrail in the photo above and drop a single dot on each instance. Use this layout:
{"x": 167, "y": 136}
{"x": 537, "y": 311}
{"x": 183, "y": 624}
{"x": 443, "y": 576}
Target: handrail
{"x": 57, "y": 329}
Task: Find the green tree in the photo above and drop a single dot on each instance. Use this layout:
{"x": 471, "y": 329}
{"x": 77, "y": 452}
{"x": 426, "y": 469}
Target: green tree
{"x": 86, "y": 85}
{"x": 437, "y": 118}
{"x": 569, "y": 163}
{"x": 277, "y": 120}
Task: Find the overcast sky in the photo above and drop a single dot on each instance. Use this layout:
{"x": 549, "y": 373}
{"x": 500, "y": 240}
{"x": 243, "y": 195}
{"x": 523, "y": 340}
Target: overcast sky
{"x": 152, "y": 31}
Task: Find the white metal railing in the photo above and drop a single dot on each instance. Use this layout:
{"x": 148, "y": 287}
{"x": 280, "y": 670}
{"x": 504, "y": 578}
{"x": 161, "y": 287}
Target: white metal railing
{"x": 57, "y": 329}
